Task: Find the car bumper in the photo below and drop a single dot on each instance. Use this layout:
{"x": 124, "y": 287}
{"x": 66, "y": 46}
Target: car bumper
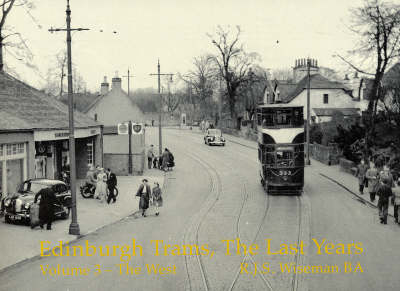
{"x": 217, "y": 142}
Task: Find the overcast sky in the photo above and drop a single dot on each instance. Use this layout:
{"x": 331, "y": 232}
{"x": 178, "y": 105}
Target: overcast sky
{"x": 176, "y": 31}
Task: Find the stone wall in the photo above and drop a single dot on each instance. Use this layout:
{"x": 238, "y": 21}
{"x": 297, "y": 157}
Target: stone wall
{"x": 347, "y": 166}
{"x": 328, "y": 155}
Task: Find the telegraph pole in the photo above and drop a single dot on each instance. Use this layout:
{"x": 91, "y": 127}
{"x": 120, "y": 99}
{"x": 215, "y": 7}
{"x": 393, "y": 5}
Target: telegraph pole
{"x": 308, "y": 112}
{"x": 160, "y": 113}
{"x": 74, "y": 226}
{"x": 129, "y": 132}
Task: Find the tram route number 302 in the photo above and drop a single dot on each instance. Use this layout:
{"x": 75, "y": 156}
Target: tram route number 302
{"x": 285, "y": 173}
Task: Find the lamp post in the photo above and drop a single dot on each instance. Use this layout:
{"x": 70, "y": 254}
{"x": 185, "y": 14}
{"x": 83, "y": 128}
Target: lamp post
{"x": 74, "y": 226}
{"x": 160, "y": 112}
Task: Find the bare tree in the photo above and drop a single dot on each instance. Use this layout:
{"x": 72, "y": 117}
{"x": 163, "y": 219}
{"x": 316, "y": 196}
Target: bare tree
{"x": 233, "y": 63}
{"x": 201, "y": 83}
{"x": 283, "y": 74}
{"x": 19, "y": 48}
{"x": 170, "y": 100}
{"x": 377, "y": 23}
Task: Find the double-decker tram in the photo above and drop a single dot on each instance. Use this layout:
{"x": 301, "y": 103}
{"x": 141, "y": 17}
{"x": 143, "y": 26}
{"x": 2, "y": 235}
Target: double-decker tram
{"x": 281, "y": 148}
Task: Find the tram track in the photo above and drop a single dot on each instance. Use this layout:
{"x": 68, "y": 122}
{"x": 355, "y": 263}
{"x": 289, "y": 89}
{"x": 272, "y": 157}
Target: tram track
{"x": 196, "y": 223}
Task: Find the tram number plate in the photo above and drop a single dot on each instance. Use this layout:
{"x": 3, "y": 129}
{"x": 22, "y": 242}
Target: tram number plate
{"x": 285, "y": 173}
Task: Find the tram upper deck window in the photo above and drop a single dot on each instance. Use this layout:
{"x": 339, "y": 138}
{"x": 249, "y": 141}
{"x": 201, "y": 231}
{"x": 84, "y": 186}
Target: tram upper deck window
{"x": 283, "y": 117}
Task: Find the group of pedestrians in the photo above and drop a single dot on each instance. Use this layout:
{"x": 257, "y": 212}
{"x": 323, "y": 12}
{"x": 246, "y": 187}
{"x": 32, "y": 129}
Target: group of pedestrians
{"x": 380, "y": 182}
{"x": 104, "y": 182}
{"x": 163, "y": 162}
{"x": 149, "y": 197}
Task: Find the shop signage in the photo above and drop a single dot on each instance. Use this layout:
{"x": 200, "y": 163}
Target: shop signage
{"x": 61, "y": 134}
{"x": 49, "y": 135}
{"x": 137, "y": 128}
{"x": 123, "y": 128}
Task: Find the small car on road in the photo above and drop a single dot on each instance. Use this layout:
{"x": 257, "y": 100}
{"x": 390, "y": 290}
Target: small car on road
{"x": 16, "y": 206}
{"x": 214, "y": 136}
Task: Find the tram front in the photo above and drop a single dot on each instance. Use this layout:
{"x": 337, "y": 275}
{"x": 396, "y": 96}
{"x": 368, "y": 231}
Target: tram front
{"x": 281, "y": 148}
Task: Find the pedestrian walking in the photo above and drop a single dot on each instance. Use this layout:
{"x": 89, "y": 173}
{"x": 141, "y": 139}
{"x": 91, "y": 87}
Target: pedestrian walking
{"x": 144, "y": 193}
{"x": 150, "y": 156}
{"x": 157, "y": 198}
{"x": 360, "y": 174}
{"x": 384, "y": 192}
{"x": 101, "y": 185}
{"x": 111, "y": 184}
{"x": 372, "y": 176}
{"x": 46, "y": 208}
{"x": 396, "y": 193}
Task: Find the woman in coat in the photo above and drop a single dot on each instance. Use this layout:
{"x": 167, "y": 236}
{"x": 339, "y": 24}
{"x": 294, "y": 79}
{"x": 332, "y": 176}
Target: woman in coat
{"x": 157, "y": 199}
{"x": 165, "y": 159}
{"x": 372, "y": 175}
{"x": 101, "y": 185}
{"x": 144, "y": 193}
{"x": 46, "y": 208}
{"x": 360, "y": 174}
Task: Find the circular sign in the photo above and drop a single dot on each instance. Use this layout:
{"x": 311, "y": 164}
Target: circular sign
{"x": 41, "y": 149}
{"x": 137, "y": 128}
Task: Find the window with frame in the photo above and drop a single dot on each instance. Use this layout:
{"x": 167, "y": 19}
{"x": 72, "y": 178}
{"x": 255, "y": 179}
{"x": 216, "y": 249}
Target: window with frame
{"x": 90, "y": 153}
{"x": 1, "y": 150}
{"x": 326, "y": 98}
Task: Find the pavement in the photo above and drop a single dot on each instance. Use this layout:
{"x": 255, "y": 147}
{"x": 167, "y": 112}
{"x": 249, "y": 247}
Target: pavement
{"x": 21, "y": 243}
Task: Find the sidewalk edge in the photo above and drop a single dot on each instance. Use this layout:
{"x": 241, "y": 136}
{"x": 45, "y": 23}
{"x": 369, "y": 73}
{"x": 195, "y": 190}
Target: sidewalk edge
{"x": 350, "y": 191}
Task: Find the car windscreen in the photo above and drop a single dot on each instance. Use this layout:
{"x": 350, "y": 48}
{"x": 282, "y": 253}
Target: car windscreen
{"x": 214, "y": 132}
{"x": 36, "y": 187}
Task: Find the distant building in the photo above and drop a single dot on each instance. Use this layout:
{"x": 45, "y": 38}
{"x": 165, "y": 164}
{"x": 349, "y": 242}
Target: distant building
{"x": 114, "y": 106}
{"x": 326, "y": 96}
{"x": 34, "y": 133}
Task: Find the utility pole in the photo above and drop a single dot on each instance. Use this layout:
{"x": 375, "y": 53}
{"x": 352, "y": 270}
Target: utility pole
{"x": 308, "y": 113}
{"x": 129, "y": 132}
{"x": 74, "y": 226}
{"x": 160, "y": 112}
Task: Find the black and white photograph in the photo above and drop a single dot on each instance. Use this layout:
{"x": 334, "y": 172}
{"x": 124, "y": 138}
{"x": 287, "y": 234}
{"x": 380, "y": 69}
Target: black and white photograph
{"x": 212, "y": 145}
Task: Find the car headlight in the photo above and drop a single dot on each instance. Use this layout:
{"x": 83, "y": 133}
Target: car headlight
{"x": 7, "y": 202}
{"x": 26, "y": 206}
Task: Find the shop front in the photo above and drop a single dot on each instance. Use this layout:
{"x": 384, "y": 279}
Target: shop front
{"x": 14, "y": 164}
{"x": 52, "y": 152}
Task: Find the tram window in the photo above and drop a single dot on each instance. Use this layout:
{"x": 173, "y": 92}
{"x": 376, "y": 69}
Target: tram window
{"x": 282, "y": 117}
{"x": 284, "y": 155}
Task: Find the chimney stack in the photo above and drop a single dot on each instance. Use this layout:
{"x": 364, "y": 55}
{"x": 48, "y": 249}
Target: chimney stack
{"x": 116, "y": 82}
{"x": 104, "y": 87}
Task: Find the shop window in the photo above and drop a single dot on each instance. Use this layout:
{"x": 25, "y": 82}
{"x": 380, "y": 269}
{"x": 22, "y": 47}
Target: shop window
{"x": 9, "y": 150}
{"x": 90, "y": 153}
{"x": 1, "y": 150}
{"x": 21, "y": 148}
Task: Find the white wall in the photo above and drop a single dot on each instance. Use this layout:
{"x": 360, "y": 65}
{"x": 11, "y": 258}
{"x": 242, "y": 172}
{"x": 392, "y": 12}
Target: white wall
{"x": 337, "y": 98}
{"x": 114, "y": 108}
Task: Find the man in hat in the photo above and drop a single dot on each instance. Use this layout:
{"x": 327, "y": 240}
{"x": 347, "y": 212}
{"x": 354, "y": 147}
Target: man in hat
{"x": 384, "y": 192}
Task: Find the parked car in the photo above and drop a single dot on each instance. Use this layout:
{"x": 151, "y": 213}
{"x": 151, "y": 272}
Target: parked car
{"x": 17, "y": 205}
{"x": 214, "y": 137}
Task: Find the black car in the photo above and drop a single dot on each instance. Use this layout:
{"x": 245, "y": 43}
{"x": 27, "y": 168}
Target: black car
{"x": 214, "y": 136}
{"x": 16, "y": 206}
